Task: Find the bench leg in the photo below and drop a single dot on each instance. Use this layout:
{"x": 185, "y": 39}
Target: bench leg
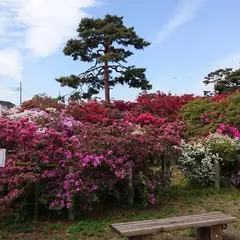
{"x": 216, "y": 233}
{"x": 145, "y": 237}
{"x": 209, "y": 233}
{"x": 203, "y": 233}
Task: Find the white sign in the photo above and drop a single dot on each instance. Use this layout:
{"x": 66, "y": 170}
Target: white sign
{"x": 2, "y": 157}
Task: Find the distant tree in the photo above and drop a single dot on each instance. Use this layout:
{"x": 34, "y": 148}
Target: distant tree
{"x": 224, "y": 81}
{"x": 104, "y": 42}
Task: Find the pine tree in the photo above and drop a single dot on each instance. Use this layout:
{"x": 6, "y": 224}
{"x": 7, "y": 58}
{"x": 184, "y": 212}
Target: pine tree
{"x": 104, "y": 43}
{"x": 224, "y": 81}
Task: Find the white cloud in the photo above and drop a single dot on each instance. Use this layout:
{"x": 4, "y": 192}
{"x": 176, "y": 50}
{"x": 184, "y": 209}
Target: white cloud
{"x": 185, "y": 12}
{"x": 36, "y": 27}
{"x": 49, "y": 23}
{"x": 11, "y": 64}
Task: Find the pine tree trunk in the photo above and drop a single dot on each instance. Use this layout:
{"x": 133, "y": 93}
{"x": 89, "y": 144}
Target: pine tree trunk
{"x": 106, "y": 82}
{"x": 106, "y": 76}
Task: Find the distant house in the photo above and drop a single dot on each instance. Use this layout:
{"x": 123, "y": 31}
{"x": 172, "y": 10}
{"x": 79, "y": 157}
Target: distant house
{"x": 6, "y": 105}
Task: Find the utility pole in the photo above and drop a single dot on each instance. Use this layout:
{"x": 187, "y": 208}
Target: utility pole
{"x": 20, "y": 93}
{"x": 20, "y": 90}
{"x": 59, "y": 95}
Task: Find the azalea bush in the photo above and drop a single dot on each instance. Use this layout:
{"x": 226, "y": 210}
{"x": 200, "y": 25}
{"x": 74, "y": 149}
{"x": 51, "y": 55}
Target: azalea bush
{"x": 105, "y": 145}
{"x": 212, "y": 125}
{"x": 163, "y": 105}
{"x": 232, "y": 110}
{"x": 42, "y": 101}
{"x": 28, "y": 143}
{"x": 204, "y": 115}
{"x": 197, "y": 161}
{"x": 31, "y": 144}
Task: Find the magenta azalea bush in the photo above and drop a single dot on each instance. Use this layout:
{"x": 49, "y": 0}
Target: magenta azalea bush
{"x": 103, "y": 154}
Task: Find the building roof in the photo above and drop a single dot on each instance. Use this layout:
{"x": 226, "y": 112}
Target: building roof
{"x": 7, "y": 104}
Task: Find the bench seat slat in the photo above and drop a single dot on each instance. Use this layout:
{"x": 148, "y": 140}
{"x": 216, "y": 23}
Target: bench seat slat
{"x": 176, "y": 223}
{"x": 167, "y": 220}
{"x": 167, "y": 223}
{"x": 156, "y": 229}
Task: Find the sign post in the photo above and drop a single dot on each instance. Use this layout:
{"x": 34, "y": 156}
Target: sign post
{"x": 2, "y": 157}
{"x": 217, "y": 174}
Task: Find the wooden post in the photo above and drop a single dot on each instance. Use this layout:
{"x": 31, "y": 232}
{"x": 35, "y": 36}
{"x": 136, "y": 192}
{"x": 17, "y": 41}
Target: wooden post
{"x": 216, "y": 233}
{"x": 71, "y": 209}
{"x": 36, "y": 203}
{"x": 130, "y": 185}
{"x": 203, "y": 233}
{"x": 217, "y": 174}
{"x": 209, "y": 233}
{"x": 167, "y": 173}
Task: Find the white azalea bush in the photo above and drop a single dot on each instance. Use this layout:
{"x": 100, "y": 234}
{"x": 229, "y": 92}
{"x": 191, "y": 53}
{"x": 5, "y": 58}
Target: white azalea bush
{"x": 197, "y": 159}
{"x": 17, "y": 113}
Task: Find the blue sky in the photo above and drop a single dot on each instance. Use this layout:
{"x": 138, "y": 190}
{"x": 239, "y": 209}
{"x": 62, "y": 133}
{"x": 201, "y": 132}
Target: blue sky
{"x": 189, "y": 39}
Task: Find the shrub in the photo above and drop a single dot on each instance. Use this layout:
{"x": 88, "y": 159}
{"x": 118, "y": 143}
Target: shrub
{"x": 42, "y": 101}
{"x": 163, "y": 105}
{"x": 201, "y": 116}
{"x": 233, "y": 112}
{"x": 108, "y": 151}
{"x": 197, "y": 159}
{"x": 103, "y": 143}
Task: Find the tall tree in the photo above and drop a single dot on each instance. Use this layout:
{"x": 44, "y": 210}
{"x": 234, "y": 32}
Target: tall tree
{"x": 224, "y": 80}
{"x": 103, "y": 43}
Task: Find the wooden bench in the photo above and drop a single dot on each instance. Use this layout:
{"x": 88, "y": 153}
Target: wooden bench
{"x": 209, "y": 226}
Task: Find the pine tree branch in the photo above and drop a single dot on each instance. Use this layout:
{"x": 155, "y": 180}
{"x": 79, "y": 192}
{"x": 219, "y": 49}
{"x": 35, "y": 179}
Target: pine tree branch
{"x": 122, "y": 66}
{"x": 90, "y": 70}
{"x": 115, "y": 68}
{"x": 100, "y": 50}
